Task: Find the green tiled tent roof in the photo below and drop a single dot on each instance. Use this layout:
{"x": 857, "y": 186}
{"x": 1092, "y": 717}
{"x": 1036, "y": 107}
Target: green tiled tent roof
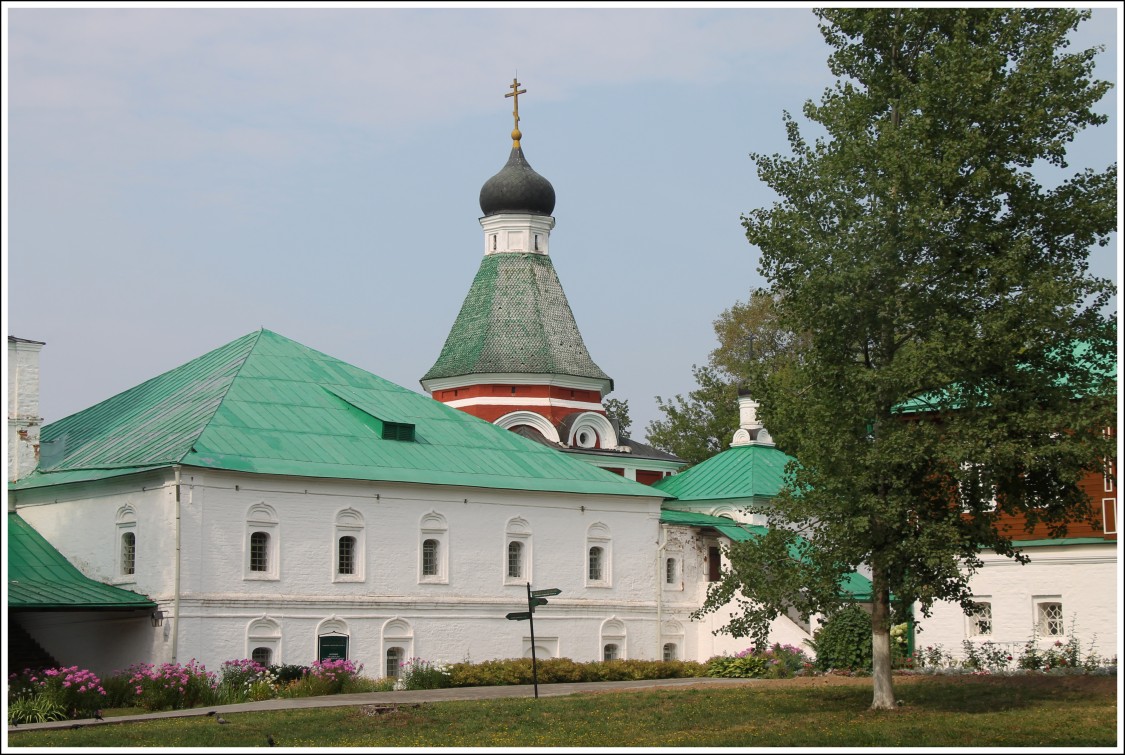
{"x": 738, "y": 472}
{"x": 267, "y": 404}
{"x": 515, "y": 318}
{"x": 855, "y": 585}
{"x": 40, "y": 578}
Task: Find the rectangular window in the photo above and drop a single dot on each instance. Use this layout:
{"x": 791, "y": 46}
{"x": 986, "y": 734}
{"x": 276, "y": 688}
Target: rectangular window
{"x": 980, "y": 620}
{"x": 128, "y": 553}
{"x": 430, "y": 558}
{"x": 515, "y": 559}
{"x": 346, "y": 556}
{"x": 670, "y": 571}
{"x": 611, "y": 652}
{"x": 1109, "y": 516}
{"x": 595, "y": 572}
{"x": 669, "y": 651}
{"x": 259, "y": 551}
{"x": 1051, "y": 620}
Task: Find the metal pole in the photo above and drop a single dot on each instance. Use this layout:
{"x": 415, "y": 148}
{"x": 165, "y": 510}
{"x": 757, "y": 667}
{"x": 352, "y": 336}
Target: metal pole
{"x": 531, "y": 623}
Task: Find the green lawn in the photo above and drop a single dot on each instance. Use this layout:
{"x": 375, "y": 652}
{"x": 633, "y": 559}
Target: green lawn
{"x": 1021, "y": 711}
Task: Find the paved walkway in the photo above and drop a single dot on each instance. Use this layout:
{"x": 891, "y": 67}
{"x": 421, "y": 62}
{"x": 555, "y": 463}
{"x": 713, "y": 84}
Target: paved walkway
{"x": 404, "y": 697}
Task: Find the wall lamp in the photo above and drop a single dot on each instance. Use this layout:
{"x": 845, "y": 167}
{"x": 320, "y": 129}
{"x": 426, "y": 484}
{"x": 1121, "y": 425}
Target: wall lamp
{"x": 157, "y": 618}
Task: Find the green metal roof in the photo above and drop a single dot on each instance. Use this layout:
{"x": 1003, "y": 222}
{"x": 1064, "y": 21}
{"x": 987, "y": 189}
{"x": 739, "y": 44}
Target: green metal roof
{"x": 855, "y": 585}
{"x": 266, "y": 404}
{"x": 515, "y": 319}
{"x": 738, "y": 472}
{"x": 40, "y": 578}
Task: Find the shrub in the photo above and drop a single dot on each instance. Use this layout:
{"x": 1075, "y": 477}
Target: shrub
{"x": 35, "y": 709}
{"x": 77, "y": 692}
{"x": 844, "y": 640}
{"x": 172, "y": 686}
{"x": 417, "y": 673}
{"x": 242, "y": 680}
{"x": 288, "y": 672}
{"x": 327, "y": 678}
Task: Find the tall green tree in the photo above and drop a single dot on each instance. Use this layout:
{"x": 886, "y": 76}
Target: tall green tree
{"x": 930, "y": 268}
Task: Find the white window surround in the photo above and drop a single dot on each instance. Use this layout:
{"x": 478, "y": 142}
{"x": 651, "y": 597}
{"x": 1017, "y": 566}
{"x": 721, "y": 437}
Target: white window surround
{"x": 264, "y": 632}
{"x": 531, "y": 419}
{"x": 433, "y": 527}
{"x": 670, "y": 652}
{"x": 518, "y": 533}
{"x": 598, "y": 536}
{"x": 126, "y": 524}
{"x": 613, "y": 633}
{"x": 350, "y": 523}
{"x": 592, "y": 430}
{"x": 1049, "y": 618}
{"x": 672, "y": 566}
{"x": 545, "y": 647}
{"x": 397, "y": 633}
{"x": 262, "y": 518}
{"x": 1109, "y": 511}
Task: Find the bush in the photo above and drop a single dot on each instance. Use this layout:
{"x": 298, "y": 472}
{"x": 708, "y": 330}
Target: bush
{"x": 327, "y": 678}
{"x": 76, "y": 692}
{"x": 288, "y": 672}
{"x": 844, "y": 640}
{"x": 172, "y": 686}
{"x": 244, "y": 680}
{"x": 417, "y": 673}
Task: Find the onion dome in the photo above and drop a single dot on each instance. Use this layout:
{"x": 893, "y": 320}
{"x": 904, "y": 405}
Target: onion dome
{"x": 517, "y": 188}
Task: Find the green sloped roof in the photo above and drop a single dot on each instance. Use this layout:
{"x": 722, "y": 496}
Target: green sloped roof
{"x": 40, "y": 578}
{"x": 855, "y": 585}
{"x": 515, "y": 318}
{"x": 266, "y": 404}
{"x": 738, "y": 472}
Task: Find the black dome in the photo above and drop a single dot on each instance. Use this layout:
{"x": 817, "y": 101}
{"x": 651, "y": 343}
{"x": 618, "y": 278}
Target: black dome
{"x": 517, "y": 188}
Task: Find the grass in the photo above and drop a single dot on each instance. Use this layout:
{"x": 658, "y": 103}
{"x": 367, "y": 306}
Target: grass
{"x": 938, "y": 711}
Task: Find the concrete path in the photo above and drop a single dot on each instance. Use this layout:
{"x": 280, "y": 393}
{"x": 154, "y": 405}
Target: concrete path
{"x": 404, "y": 697}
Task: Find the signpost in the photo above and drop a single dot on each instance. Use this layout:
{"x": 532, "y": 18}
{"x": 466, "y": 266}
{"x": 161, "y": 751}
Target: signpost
{"x": 534, "y": 598}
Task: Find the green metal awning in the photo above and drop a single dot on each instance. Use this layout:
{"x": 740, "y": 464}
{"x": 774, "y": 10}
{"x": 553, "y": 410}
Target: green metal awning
{"x": 40, "y": 578}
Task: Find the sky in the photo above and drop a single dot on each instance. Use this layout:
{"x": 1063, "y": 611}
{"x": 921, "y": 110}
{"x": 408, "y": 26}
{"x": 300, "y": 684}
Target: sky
{"x": 178, "y": 176}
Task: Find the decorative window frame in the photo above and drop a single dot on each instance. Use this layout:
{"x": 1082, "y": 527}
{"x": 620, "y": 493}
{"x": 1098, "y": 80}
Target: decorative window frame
{"x": 612, "y": 632}
{"x": 433, "y": 526}
{"x": 334, "y": 626}
{"x": 672, "y": 633}
{"x": 349, "y": 522}
{"x": 517, "y": 531}
{"x": 264, "y": 632}
{"x": 126, "y": 523}
{"x": 1041, "y": 621}
{"x": 540, "y": 423}
{"x": 546, "y": 647}
{"x": 975, "y": 620}
{"x": 261, "y": 517}
{"x": 592, "y": 430}
{"x": 396, "y": 633}
{"x": 598, "y": 536}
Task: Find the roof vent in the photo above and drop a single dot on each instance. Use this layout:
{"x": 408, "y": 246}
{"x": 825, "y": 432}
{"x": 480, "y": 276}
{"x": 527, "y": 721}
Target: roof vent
{"x": 398, "y": 431}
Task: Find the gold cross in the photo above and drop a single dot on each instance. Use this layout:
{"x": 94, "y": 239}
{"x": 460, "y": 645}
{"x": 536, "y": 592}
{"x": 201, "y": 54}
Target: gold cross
{"x": 515, "y": 95}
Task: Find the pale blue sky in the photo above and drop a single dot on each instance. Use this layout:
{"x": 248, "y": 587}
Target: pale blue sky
{"x": 178, "y": 177}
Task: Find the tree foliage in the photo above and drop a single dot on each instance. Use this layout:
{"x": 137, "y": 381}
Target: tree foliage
{"x": 928, "y": 264}
{"x": 750, "y": 338}
{"x": 617, "y": 410}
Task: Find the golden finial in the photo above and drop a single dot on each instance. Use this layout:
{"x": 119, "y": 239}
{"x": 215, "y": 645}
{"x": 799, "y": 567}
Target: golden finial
{"x": 515, "y": 95}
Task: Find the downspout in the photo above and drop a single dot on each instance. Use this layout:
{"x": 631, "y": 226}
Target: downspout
{"x": 661, "y": 544}
{"x": 176, "y": 582}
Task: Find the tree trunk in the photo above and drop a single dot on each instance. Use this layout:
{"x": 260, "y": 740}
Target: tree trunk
{"x": 884, "y": 693}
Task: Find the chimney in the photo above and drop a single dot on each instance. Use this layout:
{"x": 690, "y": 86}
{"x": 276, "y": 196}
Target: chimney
{"x": 23, "y": 407}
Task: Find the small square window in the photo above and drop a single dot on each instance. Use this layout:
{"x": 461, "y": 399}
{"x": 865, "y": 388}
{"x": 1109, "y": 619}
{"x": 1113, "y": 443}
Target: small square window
{"x": 980, "y": 620}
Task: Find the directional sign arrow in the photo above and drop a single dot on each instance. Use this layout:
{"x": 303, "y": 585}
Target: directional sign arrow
{"x": 518, "y": 615}
{"x": 545, "y": 593}
{"x": 536, "y": 602}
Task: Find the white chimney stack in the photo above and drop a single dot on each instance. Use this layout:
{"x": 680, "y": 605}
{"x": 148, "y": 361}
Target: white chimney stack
{"x": 23, "y": 407}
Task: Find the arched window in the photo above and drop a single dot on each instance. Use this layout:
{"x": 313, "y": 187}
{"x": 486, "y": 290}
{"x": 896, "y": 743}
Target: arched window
{"x": 345, "y": 555}
{"x": 599, "y": 556}
{"x": 597, "y": 564}
{"x": 670, "y": 651}
{"x": 517, "y": 552}
{"x": 262, "y": 655}
{"x": 262, "y": 561}
{"x": 610, "y": 652}
{"x": 263, "y": 641}
{"x": 260, "y": 551}
{"x": 430, "y": 552}
{"x": 349, "y": 546}
{"x": 613, "y": 639}
{"x": 128, "y": 553}
{"x": 398, "y": 645}
{"x": 515, "y": 559}
{"x": 126, "y": 543}
{"x": 670, "y": 571}
{"x": 433, "y": 550}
